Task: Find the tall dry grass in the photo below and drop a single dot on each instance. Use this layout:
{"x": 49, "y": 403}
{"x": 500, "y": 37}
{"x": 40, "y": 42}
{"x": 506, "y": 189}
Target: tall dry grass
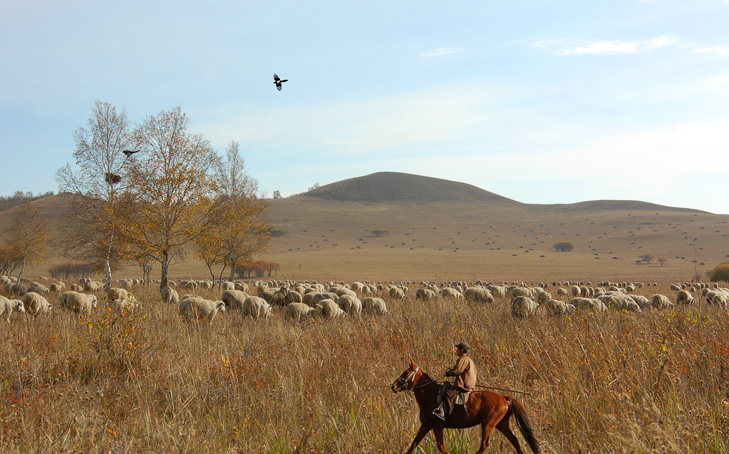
{"x": 151, "y": 382}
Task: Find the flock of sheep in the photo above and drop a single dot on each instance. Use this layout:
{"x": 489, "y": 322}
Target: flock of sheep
{"x": 305, "y": 300}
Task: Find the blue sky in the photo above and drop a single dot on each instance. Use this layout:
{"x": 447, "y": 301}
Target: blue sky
{"x": 540, "y": 101}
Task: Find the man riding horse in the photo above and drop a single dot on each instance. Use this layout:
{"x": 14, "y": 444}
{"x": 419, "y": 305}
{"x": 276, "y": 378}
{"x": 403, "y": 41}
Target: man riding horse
{"x": 465, "y": 381}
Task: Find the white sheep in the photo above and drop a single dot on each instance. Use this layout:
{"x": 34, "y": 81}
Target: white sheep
{"x": 498, "y": 291}
{"x": 119, "y": 298}
{"x": 93, "y": 286}
{"x": 78, "y": 302}
{"x": 328, "y": 309}
{"x": 659, "y": 301}
{"x": 450, "y": 293}
{"x": 234, "y": 299}
{"x": 717, "y": 297}
{"x": 169, "y": 295}
{"x": 523, "y": 306}
{"x": 35, "y": 303}
{"x": 7, "y": 306}
{"x": 558, "y": 308}
{"x": 374, "y": 306}
{"x": 397, "y": 293}
{"x": 298, "y": 311}
{"x": 293, "y": 296}
{"x": 425, "y": 294}
{"x": 478, "y": 294}
{"x": 684, "y": 297}
{"x": 227, "y": 285}
{"x": 200, "y": 308}
{"x": 591, "y": 304}
{"x": 619, "y": 301}
{"x": 58, "y": 287}
{"x": 255, "y": 307}
{"x": 350, "y": 304}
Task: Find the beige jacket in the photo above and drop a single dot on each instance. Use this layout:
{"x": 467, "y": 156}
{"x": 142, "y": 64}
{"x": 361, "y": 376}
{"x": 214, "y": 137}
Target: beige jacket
{"x": 465, "y": 373}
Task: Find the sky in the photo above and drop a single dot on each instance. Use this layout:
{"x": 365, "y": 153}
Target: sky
{"x": 553, "y": 101}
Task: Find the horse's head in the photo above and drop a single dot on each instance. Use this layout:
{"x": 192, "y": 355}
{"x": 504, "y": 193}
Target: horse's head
{"x": 406, "y": 381}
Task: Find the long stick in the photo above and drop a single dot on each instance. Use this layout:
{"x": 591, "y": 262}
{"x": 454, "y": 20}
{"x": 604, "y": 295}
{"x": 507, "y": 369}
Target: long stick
{"x": 503, "y": 389}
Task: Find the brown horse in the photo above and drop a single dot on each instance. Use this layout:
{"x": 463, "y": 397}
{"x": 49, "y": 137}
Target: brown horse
{"x": 483, "y": 407}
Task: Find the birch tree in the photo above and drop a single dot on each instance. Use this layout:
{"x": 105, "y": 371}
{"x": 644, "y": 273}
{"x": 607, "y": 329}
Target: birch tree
{"x": 96, "y": 182}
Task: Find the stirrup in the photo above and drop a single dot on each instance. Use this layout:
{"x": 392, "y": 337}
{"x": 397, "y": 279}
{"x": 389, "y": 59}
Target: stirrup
{"x": 439, "y": 412}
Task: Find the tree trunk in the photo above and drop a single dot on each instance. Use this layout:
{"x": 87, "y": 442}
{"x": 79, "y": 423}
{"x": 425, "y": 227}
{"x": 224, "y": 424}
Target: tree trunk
{"x": 165, "y": 265}
{"x": 22, "y": 268}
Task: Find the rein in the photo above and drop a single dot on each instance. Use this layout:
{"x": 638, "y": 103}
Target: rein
{"x": 413, "y": 386}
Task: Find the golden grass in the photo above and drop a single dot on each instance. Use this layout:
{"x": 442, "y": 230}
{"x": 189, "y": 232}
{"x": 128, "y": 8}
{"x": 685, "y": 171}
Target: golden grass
{"x": 151, "y": 382}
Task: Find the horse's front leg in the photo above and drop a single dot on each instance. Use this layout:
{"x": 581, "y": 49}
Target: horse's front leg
{"x": 438, "y": 431}
{"x": 422, "y": 432}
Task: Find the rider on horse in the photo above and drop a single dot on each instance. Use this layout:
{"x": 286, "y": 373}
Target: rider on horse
{"x": 465, "y": 381}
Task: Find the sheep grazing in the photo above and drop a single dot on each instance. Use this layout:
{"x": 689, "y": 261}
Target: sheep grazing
{"x": 558, "y": 308}
{"x": 192, "y": 306}
{"x": 293, "y": 296}
{"x": 478, "y": 294}
{"x": 227, "y": 285}
{"x": 255, "y": 307}
{"x": 35, "y": 303}
{"x": 591, "y": 304}
{"x": 717, "y": 297}
{"x": 120, "y": 299}
{"x": 450, "y": 293}
{"x": 374, "y": 306}
{"x": 169, "y": 296}
{"x": 350, "y": 304}
{"x": 298, "y": 311}
{"x": 397, "y": 293}
{"x": 58, "y": 287}
{"x": 684, "y": 297}
{"x": 93, "y": 286}
{"x": 234, "y": 299}
{"x": 425, "y": 294}
{"x": 328, "y": 309}
{"x": 80, "y": 303}
{"x": 619, "y": 301}
{"x": 659, "y": 301}
{"x": 498, "y": 291}
{"x": 523, "y": 307}
{"x": 7, "y": 307}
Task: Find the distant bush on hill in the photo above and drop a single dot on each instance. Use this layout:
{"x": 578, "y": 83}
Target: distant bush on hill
{"x": 278, "y": 232}
{"x": 380, "y": 232}
{"x": 720, "y": 273}
{"x": 563, "y": 246}
{"x": 20, "y": 197}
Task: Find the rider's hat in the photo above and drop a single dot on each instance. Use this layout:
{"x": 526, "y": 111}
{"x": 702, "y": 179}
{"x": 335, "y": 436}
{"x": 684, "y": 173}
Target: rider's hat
{"x": 464, "y": 346}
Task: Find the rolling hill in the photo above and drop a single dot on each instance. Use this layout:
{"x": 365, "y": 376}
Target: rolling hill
{"x": 444, "y": 230}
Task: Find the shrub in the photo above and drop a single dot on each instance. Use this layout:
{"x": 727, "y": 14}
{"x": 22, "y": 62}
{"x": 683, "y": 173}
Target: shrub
{"x": 380, "y": 232}
{"x": 720, "y": 273}
{"x": 563, "y": 246}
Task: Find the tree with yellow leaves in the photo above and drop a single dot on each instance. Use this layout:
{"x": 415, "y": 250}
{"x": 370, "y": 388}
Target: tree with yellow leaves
{"x": 27, "y": 236}
{"x": 239, "y": 228}
{"x": 172, "y": 187}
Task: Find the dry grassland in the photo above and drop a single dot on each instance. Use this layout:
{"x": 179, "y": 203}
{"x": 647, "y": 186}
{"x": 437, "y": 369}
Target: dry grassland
{"x": 151, "y": 382}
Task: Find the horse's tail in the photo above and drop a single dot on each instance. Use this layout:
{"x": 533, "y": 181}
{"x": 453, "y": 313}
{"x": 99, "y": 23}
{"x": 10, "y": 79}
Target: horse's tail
{"x": 522, "y": 420}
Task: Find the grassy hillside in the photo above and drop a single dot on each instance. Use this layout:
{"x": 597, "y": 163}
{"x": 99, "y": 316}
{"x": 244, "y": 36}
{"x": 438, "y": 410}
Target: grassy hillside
{"x": 448, "y": 230}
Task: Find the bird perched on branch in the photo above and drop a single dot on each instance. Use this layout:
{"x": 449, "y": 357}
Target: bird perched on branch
{"x": 278, "y": 81}
{"x": 130, "y": 152}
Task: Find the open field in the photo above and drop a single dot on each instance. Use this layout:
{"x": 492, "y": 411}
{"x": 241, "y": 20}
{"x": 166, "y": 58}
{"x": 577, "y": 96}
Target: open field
{"x": 150, "y": 382}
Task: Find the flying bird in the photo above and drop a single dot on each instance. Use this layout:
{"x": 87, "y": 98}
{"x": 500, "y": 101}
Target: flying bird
{"x": 278, "y": 82}
{"x": 130, "y": 152}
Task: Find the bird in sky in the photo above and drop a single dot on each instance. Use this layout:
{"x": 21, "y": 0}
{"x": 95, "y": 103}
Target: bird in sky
{"x": 278, "y": 82}
{"x": 130, "y": 152}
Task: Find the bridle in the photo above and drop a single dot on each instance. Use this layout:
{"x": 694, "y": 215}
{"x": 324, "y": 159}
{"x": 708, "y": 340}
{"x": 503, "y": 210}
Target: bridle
{"x": 408, "y": 381}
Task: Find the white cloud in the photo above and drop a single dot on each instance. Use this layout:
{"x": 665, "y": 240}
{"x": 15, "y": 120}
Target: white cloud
{"x": 440, "y": 51}
{"x": 607, "y": 47}
{"x": 722, "y": 51}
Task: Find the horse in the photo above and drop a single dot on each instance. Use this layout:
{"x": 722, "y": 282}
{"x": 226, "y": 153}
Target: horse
{"x": 483, "y": 407}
